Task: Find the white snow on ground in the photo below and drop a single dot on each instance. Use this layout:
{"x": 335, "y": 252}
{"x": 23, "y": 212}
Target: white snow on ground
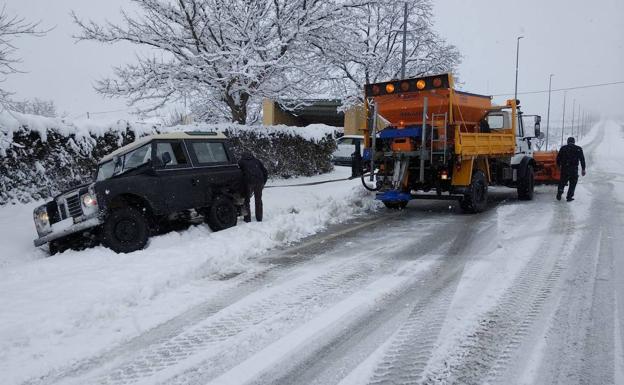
{"x": 57, "y": 310}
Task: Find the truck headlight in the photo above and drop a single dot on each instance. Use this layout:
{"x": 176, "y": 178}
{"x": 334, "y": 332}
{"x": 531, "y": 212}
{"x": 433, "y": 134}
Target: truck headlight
{"x": 42, "y": 220}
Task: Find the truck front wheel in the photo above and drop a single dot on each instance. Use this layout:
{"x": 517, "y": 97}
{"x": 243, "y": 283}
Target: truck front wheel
{"x": 526, "y": 186}
{"x": 475, "y": 201}
{"x": 126, "y": 230}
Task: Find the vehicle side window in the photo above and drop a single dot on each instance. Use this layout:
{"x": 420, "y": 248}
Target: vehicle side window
{"x": 207, "y": 153}
{"x": 175, "y": 150}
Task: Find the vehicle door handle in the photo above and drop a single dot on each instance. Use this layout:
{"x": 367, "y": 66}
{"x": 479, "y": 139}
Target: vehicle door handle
{"x": 194, "y": 182}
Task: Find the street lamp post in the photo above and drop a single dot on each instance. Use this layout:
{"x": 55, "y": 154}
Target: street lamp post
{"x": 517, "y": 61}
{"x": 565, "y": 93}
{"x": 548, "y": 116}
{"x": 573, "y": 114}
{"x": 403, "y": 57}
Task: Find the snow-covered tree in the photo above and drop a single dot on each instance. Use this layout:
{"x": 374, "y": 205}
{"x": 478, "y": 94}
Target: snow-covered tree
{"x": 370, "y": 49}
{"x": 11, "y": 27}
{"x": 223, "y": 53}
{"x": 35, "y": 106}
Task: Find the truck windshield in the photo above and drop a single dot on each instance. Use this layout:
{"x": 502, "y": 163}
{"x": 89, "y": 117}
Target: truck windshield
{"x": 125, "y": 162}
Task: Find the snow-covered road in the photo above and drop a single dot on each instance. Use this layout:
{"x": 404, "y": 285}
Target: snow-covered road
{"x": 524, "y": 293}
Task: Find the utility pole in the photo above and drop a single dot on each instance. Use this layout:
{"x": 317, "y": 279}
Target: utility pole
{"x": 579, "y": 122}
{"x": 565, "y": 93}
{"x": 548, "y": 116}
{"x": 517, "y": 61}
{"x": 403, "y": 58}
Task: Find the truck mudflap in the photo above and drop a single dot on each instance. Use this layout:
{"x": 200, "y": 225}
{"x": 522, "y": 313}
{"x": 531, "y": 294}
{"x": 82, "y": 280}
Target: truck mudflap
{"x": 394, "y": 196}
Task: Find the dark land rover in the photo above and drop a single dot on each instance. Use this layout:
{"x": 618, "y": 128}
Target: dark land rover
{"x": 144, "y": 187}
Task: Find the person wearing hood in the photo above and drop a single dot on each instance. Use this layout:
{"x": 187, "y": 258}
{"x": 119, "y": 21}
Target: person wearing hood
{"x": 255, "y": 176}
{"x": 568, "y": 160}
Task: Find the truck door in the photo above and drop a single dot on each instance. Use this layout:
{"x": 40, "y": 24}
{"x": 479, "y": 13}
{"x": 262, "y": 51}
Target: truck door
{"x": 523, "y": 145}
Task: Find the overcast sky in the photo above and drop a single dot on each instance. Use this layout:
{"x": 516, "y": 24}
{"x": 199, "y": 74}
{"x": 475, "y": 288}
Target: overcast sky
{"x": 580, "y": 41}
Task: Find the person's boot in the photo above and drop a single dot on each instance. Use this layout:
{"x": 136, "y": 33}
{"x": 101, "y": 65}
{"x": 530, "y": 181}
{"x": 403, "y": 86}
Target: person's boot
{"x": 559, "y": 195}
{"x": 569, "y": 199}
{"x": 247, "y": 218}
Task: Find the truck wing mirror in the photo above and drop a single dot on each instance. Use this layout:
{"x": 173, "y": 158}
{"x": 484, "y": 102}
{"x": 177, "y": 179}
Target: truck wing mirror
{"x": 166, "y": 159}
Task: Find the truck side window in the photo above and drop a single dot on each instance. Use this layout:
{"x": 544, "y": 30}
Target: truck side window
{"x": 207, "y": 153}
{"x": 175, "y": 150}
{"x": 496, "y": 122}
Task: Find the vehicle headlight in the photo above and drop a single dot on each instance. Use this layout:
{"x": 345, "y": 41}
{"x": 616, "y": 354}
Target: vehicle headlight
{"x": 89, "y": 200}
{"x": 89, "y": 203}
{"x": 42, "y": 220}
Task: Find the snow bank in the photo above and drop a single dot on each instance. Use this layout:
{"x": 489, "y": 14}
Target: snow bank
{"x": 40, "y": 157}
{"x": 52, "y": 306}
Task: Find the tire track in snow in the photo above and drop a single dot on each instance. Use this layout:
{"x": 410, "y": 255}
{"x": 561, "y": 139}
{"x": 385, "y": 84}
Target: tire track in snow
{"x": 485, "y": 353}
{"x": 428, "y": 297}
{"x": 341, "y": 280}
{"x": 207, "y": 336}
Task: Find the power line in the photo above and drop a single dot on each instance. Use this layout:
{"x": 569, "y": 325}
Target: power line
{"x": 563, "y": 89}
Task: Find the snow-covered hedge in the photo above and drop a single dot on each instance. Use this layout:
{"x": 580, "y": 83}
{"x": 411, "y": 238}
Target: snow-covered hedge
{"x": 39, "y": 157}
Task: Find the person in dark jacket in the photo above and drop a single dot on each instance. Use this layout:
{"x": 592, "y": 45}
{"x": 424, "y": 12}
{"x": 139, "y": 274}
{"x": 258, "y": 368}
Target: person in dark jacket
{"x": 568, "y": 161}
{"x": 254, "y": 177}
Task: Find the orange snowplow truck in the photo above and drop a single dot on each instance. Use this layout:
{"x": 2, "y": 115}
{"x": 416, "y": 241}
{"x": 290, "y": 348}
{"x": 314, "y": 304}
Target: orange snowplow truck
{"x": 441, "y": 143}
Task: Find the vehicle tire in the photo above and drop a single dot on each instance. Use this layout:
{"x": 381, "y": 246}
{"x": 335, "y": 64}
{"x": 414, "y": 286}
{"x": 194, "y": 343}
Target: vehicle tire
{"x": 476, "y": 200}
{"x": 397, "y": 205}
{"x": 222, "y": 214}
{"x": 126, "y": 230}
{"x": 526, "y": 186}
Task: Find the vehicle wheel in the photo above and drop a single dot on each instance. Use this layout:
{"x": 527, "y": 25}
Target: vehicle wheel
{"x": 396, "y": 205}
{"x": 125, "y": 230}
{"x": 222, "y": 214}
{"x": 476, "y": 200}
{"x": 526, "y": 186}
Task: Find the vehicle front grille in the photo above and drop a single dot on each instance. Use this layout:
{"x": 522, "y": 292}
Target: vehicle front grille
{"x": 62, "y": 211}
{"x": 73, "y": 206}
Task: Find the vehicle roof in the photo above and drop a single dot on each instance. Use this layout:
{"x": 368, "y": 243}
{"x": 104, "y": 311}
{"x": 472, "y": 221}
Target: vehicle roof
{"x": 170, "y": 135}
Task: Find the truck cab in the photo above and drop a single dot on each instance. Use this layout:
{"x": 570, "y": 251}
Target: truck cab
{"x": 141, "y": 188}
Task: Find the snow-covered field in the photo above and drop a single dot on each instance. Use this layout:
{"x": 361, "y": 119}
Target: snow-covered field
{"x": 72, "y": 305}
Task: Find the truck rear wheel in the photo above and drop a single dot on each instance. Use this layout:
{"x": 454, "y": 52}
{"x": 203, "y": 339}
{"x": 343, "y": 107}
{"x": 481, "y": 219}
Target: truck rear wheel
{"x": 526, "y": 186}
{"x": 222, "y": 214}
{"x": 126, "y": 230}
{"x": 476, "y": 200}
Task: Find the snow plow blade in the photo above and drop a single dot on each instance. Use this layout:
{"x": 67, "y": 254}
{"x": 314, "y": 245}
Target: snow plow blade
{"x": 547, "y": 171}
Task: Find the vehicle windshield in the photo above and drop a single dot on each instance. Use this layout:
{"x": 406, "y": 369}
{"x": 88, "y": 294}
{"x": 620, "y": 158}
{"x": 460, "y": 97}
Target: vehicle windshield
{"x": 105, "y": 171}
{"x": 125, "y": 162}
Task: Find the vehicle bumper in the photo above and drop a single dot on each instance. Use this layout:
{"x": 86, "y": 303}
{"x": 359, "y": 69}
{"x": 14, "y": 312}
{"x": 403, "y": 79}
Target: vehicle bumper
{"x": 59, "y": 230}
{"x": 342, "y": 161}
